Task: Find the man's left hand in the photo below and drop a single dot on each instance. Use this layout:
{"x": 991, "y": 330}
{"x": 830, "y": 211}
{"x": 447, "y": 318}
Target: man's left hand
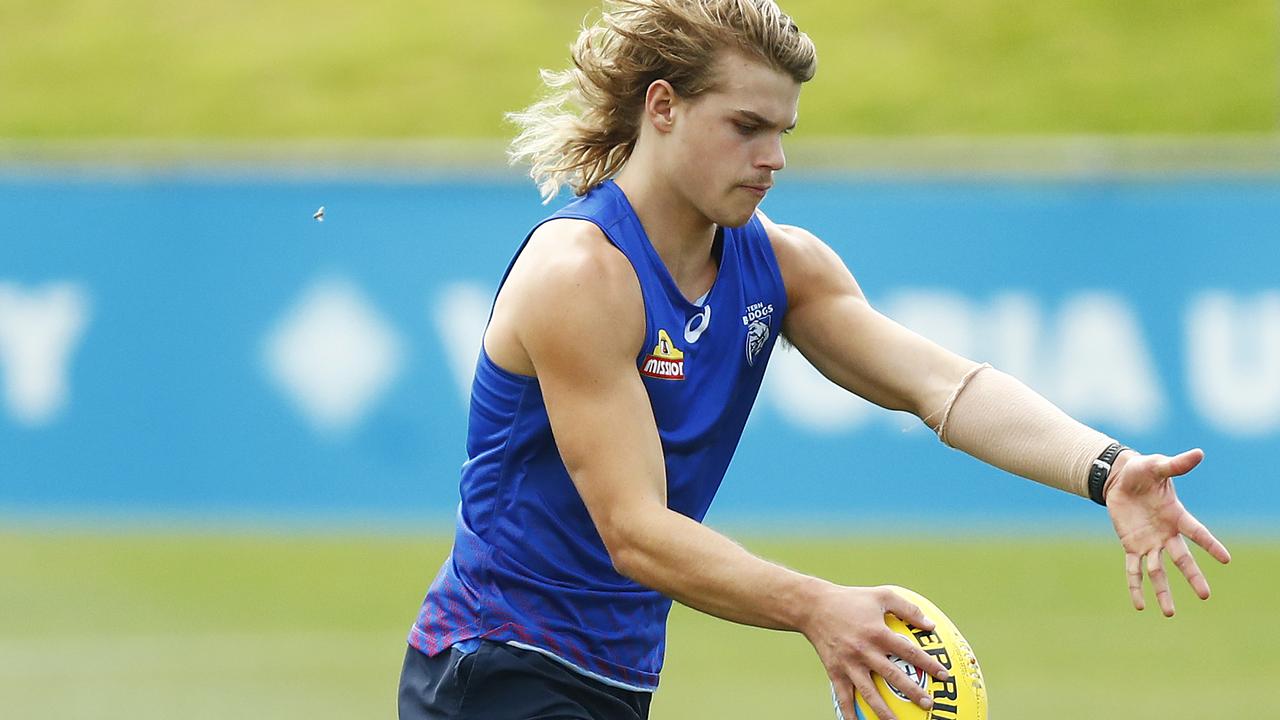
{"x": 1150, "y": 521}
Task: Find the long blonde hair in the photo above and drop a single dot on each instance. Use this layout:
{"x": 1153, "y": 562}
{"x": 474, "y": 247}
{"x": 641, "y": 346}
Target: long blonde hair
{"x": 584, "y": 129}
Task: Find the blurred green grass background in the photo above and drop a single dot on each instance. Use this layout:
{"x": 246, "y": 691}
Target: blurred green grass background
{"x": 402, "y": 68}
{"x": 161, "y": 624}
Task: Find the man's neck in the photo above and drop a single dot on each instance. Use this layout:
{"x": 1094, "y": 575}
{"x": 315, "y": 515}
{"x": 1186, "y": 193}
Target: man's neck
{"x": 682, "y": 236}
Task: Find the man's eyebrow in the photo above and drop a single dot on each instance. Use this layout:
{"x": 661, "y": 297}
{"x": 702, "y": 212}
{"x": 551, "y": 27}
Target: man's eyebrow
{"x": 762, "y": 120}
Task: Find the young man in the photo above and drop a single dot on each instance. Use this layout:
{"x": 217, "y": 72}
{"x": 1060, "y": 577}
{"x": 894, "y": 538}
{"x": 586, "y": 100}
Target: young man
{"x": 625, "y": 348}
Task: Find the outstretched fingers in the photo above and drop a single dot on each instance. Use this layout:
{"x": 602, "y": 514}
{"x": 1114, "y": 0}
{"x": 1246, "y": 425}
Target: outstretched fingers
{"x": 1186, "y": 563}
{"x": 1191, "y": 527}
{"x": 1151, "y": 522}
{"x": 1133, "y": 569}
{"x": 1160, "y": 582}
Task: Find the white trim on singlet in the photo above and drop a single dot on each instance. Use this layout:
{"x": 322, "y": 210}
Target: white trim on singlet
{"x": 581, "y": 671}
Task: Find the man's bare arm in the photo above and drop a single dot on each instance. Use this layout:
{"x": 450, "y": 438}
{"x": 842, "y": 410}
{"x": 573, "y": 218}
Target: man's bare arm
{"x": 986, "y": 413}
{"x": 972, "y": 407}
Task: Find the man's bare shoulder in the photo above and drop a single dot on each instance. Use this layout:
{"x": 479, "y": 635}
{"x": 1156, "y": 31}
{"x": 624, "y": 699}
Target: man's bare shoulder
{"x": 782, "y": 233}
{"x": 803, "y": 257}
{"x": 571, "y": 283}
{"x": 570, "y": 260}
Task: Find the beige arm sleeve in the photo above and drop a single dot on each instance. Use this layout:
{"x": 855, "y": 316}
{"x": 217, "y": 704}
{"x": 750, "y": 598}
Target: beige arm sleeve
{"x": 997, "y": 419}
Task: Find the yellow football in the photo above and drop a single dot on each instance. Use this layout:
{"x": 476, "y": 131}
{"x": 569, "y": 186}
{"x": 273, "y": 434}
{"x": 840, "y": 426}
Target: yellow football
{"x": 962, "y": 697}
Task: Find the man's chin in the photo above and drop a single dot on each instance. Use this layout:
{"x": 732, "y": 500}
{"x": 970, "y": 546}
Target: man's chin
{"x": 736, "y": 218}
{"x": 736, "y": 215}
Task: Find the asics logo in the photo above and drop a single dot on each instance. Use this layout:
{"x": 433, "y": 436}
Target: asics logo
{"x": 697, "y": 325}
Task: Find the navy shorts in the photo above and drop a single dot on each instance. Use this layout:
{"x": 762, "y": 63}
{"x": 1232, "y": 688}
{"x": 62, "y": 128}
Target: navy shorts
{"x": 500, "y": 682}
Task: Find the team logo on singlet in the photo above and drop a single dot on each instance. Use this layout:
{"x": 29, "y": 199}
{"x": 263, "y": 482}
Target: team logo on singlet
{"x": 757, "y": 318}
{"x": 666, "y": 362}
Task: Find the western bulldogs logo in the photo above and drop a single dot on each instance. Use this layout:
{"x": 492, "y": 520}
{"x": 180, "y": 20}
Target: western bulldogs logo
{"x": 757, "y": 336}
{"x": 757, "y": 318}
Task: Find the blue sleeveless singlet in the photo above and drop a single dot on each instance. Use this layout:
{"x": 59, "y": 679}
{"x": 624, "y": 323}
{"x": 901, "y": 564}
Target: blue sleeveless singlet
{"x": 528, "y": 567}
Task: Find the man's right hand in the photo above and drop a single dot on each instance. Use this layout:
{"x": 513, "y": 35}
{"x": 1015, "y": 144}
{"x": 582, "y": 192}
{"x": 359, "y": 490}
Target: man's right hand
{"x": 847, "y": 628}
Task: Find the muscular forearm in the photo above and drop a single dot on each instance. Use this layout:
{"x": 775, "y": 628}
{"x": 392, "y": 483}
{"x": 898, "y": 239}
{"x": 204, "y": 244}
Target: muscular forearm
{"x": 707, "y": 571}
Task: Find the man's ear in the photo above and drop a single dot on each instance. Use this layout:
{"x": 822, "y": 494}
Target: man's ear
{"x": 659, "y": 103}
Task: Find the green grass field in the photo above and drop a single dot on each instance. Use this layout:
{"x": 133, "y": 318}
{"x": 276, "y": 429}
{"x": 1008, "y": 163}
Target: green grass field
{"x": 403, "y": 68}
{"x": 156, "y": 625}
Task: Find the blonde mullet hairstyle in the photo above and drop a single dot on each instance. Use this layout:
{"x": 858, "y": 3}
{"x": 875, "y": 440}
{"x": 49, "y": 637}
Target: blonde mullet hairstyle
{"x": 583, "y": 130}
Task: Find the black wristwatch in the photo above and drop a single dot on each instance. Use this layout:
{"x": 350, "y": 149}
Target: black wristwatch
{"x": 1101, "y": 470}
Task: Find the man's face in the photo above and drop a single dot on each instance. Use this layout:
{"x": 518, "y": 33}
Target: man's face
{"x": 727, "y": 143}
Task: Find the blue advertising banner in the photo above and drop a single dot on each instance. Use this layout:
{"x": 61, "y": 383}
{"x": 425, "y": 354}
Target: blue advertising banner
{"x": 212, "y": 346}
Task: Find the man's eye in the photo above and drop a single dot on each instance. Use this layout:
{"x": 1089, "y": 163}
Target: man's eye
{"x": 745, "y": 129}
